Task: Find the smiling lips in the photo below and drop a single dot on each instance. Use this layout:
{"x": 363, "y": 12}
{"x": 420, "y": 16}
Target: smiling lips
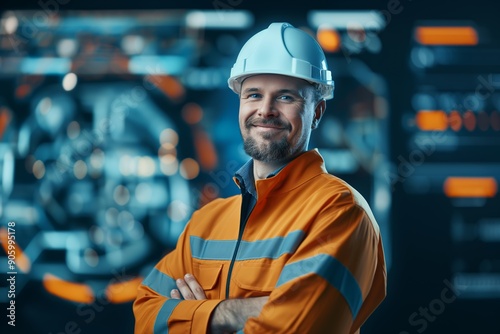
{"x": 267, "y": 125}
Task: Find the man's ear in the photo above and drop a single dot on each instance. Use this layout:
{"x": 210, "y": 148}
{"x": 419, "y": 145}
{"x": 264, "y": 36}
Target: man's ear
{"x": 318, "y": 113}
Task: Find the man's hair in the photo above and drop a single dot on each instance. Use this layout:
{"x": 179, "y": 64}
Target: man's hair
{"x": 317, "y": 93}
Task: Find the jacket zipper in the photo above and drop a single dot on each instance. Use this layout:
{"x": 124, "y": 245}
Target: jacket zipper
{"x": 245, "y": 202}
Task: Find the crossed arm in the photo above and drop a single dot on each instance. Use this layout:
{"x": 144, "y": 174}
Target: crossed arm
{"x": 230, "y": 315}
{"x": 332, "y": 283}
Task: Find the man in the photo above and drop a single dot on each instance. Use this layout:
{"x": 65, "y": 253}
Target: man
{"x": 299, "y": 251}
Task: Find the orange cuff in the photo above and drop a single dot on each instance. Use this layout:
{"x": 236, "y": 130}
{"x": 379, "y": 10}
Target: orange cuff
{"x": 201, "y": 317}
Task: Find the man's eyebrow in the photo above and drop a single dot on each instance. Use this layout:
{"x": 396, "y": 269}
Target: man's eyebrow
{"x": 281, "y": 91}
{"x": 290, "y": 91}
{"x": 250, "y": 90}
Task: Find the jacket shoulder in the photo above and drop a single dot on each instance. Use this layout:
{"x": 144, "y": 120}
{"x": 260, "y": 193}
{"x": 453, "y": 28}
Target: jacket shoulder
{"x": 217, "y": 206}
{"x": 218, "y": 203}
{"x": 329, "y": 186}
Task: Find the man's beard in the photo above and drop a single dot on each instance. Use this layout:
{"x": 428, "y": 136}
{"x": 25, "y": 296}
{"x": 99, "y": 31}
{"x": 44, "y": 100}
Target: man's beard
{"x": 268, "y": 152}
{"x": 271, "y": 151}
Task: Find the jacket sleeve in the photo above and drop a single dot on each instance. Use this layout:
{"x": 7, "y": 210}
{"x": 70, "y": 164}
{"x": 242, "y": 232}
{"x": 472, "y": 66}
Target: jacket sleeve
{"x": 155, "y": 312}
{"x": 334, "y": 280}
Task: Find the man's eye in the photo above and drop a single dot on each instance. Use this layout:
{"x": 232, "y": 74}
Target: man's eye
{"x": 253, "y": 96}
{"x": 285, "y": 98}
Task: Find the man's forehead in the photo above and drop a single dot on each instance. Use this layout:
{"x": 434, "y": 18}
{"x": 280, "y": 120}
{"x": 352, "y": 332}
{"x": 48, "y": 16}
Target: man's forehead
{"x": 275, "y": 82}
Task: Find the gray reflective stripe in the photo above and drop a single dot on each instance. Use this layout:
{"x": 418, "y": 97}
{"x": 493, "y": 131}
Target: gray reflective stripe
{"x": 212, "y": 249}
{"x": 161, "y": 322}
{"x": 160, "y": 282}
{"x": 334, "y": 272}
{"x": 271, "y": 248}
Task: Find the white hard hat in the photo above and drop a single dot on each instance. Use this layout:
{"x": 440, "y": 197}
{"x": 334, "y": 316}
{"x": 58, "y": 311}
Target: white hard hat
{"x": 286, "y": 50}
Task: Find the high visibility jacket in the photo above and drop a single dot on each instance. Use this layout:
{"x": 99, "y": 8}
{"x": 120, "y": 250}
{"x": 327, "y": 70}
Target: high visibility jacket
{"x": 311, "y": 244}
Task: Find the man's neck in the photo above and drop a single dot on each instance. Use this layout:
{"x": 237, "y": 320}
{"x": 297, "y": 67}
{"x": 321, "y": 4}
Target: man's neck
{"x": 261, "y": 170}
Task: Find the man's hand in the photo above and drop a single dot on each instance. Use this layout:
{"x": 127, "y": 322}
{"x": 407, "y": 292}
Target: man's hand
{"x": 188, "y": 288}
{"x": 230, "y": 315}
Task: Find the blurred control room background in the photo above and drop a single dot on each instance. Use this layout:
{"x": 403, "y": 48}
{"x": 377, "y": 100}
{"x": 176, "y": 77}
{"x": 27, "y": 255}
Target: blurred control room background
{"x": 116, "y": 123}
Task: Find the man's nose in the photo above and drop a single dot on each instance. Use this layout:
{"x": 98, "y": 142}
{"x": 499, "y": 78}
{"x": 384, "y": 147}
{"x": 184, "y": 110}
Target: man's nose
{"x": 268, "y": 107}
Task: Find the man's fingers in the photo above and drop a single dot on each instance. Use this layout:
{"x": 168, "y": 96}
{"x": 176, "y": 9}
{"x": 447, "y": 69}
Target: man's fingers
{"x": 175, "y": 294}
{"x": 195, "y": 287}
{"x": 189, "y": 288}
{"x": 184, "y": 289}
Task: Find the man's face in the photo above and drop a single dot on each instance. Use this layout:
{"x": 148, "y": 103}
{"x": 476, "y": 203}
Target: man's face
{"x": 276, "y": 114}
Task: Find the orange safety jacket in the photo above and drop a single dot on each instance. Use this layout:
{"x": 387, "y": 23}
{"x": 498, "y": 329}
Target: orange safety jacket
{"x": 311, "y": 244}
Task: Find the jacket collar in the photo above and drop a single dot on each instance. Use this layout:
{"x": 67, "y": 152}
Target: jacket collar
{"x": 303, "y": 168}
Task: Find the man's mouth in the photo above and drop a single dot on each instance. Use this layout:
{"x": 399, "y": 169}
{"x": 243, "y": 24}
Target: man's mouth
{"x": 271, "y": 125}
{"x": 267, "y": 126}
